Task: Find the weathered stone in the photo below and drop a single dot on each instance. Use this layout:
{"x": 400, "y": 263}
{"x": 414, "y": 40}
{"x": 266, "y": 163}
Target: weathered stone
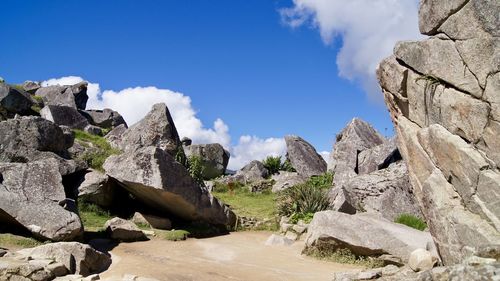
{"x": 105, "y": 118}
{"x": 354, "y": 138}
{"x": 156, "y": 129}
{"x": 341, "y": 201}
{"x": 77, "y": 258}
{"x": 32, "y": 195}
{"x": 365, "y": 234}
{"x": 93, "y": 130}
{"x": 439, "y": 59}
{"x": 253, "y": 171}
{"x": 303, "y": 157}
{"x": 153, "y": 221}
{"x": 284, "y": 180}
{"x": 490, "y": 143}
{"x": 421, "y": 260}
{"x": 386, "y": 191}
{"x": 491, "y": 95}
{"x": 74, "y": 96}
{"x": 214, "y": 158}
{"x": 64, "y": 115}
{"x": 30, "y": 86}
{"x": 14, "y": 101}
{"x": 155, "y": 178}
{"x": 432, "y": 14}
{"x": 378, "y": 157}
{"x": 186, "y": 141}
{"x": 114, "y": 136}
{"x": 278, "y": 240}
{"x": 291, "y": 236}
{"x": 124, "y": 230}
{"x": 97, "y": 188}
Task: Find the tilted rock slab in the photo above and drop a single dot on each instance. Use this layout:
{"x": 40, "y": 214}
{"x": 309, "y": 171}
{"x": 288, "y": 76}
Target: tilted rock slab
{"x": 32, "y": 195}
{"x": 366, "y": 234}
{"x": 74, "y": 96}
{"x": 443, "y": 95}
{"x": 213, "y": 156}
{"x": 14, "y": 101}
{"x": 155, "y": 178}
{"x": 303, "y": 157}
{"x": 105, "y": 118}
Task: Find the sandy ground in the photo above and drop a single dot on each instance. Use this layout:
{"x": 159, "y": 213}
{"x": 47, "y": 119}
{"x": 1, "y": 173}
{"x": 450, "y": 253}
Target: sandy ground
{"x": 238, "y": 256}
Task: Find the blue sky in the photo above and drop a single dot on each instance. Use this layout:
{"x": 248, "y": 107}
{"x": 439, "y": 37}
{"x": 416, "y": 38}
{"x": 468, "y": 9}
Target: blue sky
{"x": 242, "y": 61}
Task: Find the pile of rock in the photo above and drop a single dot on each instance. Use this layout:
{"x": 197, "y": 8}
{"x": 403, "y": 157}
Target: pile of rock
{"x": 293, "y": 231}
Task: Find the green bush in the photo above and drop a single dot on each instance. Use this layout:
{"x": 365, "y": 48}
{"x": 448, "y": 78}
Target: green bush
{"x": 195, "y": 168}
{"x": 287, "y": 166}
{"x": 305, "y": 217}
{"x": 38, "y": 98}
{"x": 321, "y": 181}
{"x": 272, "y": 164}
{"x": 98, "y": 149}
{"x": 174, "y": 235}
{"x": 411, "y": 221}
{"x": 302, "y": 199}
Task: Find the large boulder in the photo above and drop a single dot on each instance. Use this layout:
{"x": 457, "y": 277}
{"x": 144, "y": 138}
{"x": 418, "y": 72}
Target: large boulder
{"x": 156, "y": 129}
{"x": 105, "y": 118}
{"x": 14, "y": 101}
{"x": 29, "y": 139}
{"x": 252, "y": 172}
{"x": 442, "y": 94}
{"x": 76, "y": 257}
{"x": 68, "y": 95}
{"x": 357, "y": 136}
{"x": 387, "y": 191}
{"x": 64, "y": 116}
{"x": 214, "y": 158}
{"x": 114, "y": 137}
{"x": 124, "y": 230}
{"x": 32, "y": 195}
{"x": 365, "y": 234}
{"x": 154, "y": 177}
{"x": 284, "y": 180}
{"x": 96, "y": 188}
{"x": 303, "y": 157}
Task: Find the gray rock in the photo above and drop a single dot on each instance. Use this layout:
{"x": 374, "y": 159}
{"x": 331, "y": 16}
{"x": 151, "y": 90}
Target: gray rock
{"x": 74, "y": 96}
{"x": 278, "y": 240}
{"x": 421, "y": 260}
{"x": 152, "y": 221}
{"x": 14, "y": 101}
{"x": 365, "y": 234}
{"x": 341, "y": 201}
{"x": 96, "y": 188}
{"x": 77, "y": 258}
{"x": 186, "y": 141}
{"x": 303, "y": 157}
{"x": 156, "y": 129}
{"x": 33, "y": 196}
{"x": 105, "y": 118}
{"x": 292, "y": 236}
{"x": 31, "y": 87}
{"x": 124, "y": 230}
{"x": 378, "y": 157}
{"x": 252, "y": 172}
{"x": 354, "y": 138}
{"x": 65, "y": 116}
{"x": 114, "y": 137}
{"x": 491, "y": 91}
{"x": 386, "y": 191}
{"x": 93, "y": 130}
{"x": 284, "y": 180}
{"x": 432, "y": 14}
{"x": 213, "y": 156}
{"x": 155, "y": 178}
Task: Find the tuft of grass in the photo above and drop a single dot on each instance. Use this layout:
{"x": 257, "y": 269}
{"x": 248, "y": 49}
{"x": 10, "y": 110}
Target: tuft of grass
{"x": 411, "y": 221}
{"x": 305, "y": 217}
{"x": 302, "y": 199}
{"x": 93, "y": 217}
{"x": 96, "y": 157}
{"x": 322, "y": 181}
{"x": 36, "y": 108}
{"x": 14, "y": 241}
{"x": 38, "y": 98}
{"x": 344, "y": 256}
{"x": 173, "y": 235}
{"x": 272, "y": 164}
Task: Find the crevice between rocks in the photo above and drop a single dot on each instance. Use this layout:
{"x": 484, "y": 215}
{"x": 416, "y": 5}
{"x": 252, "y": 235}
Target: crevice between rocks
{"x": 434, "y": 31}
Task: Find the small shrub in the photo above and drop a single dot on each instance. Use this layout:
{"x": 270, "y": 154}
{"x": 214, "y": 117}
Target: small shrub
{"x": 180, "y": 157}
{"x": 38, "y": 98}
{"x": 343, "y": 255}
{"x": 411, "y": 221}
{"x": 174, "y": 235}
{"x": 287, "y": 166}
{"x": 322, "y": 181}
{"x": 93, "y": 217}
{"x": 305, "y": 217}
{"x": 272, "y": 164}
{"x": 195, "y": 169}
{"x": 302, "y": 199}
{"x": 99, "y": 151}
{"x": 36, "y": 108}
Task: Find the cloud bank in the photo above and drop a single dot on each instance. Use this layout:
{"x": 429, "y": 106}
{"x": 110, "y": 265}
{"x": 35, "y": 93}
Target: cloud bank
{"x": 368, "y": 30}
{"x": 134, "y": 103}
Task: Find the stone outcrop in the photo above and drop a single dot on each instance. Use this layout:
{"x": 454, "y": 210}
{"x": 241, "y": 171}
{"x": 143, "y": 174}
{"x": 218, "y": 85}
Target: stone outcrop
{"x": 378, "y": 157}
{"x": 156, "y": 129}
{"x": 32, "y": 196}
{"x": 303, "y": 157}
{"x": 152, "y": 221}
{"x": 124, "y": 230}
{"x": 284, "y": 180}
{"x": 74, "y": 96}
{"x": 252, "y": 172}
{"x": 14, "y": 101}
{"x": 366, "y": 235}
{"x": 443, "y": 95}
{"x": 114, "y": 136}
{"x": 106, "y": 118}
{"x": 214, "y": 158}
{"x": 96, "y": 188}
{"x": 64, "y": 116}
{"x": 155, "y": 178}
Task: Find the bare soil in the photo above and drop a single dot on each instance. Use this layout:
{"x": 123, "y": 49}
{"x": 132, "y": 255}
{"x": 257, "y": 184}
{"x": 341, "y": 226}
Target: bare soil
{"x": 238, "y": 256}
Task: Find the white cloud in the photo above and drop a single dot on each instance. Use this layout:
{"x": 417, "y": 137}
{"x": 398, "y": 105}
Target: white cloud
{"x": 369, "y": 30}
{"x": 134, "y": 103}
{"x": 325, "y": 155}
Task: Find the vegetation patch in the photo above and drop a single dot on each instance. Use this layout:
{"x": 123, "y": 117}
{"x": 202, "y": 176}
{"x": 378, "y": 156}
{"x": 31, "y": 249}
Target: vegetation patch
{"x": 15, "y": 241}
{"x": 93, "y": 217}
{"x": 98, "y": 149}
{"x": 411, "y": 221}
{"x": 274, "y": 164}
{"x": 342, "y": 256}
{"x": 173, "y": 235}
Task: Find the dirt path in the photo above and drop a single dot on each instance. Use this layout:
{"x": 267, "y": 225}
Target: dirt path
{"x": 238, "y": 256}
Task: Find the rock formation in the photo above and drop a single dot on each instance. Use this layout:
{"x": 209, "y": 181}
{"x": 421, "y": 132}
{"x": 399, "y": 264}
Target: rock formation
{"x": 214, "y": 158}
{"x": 74, "y": 96}
{"x": 303, "y": 157}
{"x": 443, "y": 95}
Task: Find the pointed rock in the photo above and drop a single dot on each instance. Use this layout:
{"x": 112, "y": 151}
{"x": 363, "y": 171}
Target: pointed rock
{"x": 303, "y": 157}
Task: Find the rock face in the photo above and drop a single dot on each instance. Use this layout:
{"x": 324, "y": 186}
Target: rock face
{"x": 213, "y": 156}
{"x": 378, "y": 157}
{"x": 443, "y": 95}
{"x": 156, "y": 129}
{"x": 32, "y": 195}
{"x": 365, "y": 234}
{"x": 155, "y": 178}
{"x": 303, "y": 157}
{"x": 97, "y": 188}
{"x": 284, "y": 180}
{"x": 65, "y": 116}
{"x": 74, "y": 96}
{"x": 252, "y": 172}
{"x": 105, "y": 118}
{"x": 152, "y": 221}
{"x": 14, "y": 101}
{"x": 124, "y": 230}
{"x": 76, "y": 257}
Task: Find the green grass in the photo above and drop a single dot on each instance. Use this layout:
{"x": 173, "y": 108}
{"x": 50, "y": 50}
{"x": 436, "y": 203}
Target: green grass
{"x": 93, "y": 217}
{"x": 411, "y": 221}
{"x": 38, "y": 98}
{"x": 14, "y": 241}
{"x": 173, "y": 235}
{"x": 245, "y": 203}
{"x": 344, "y": 256}
{"x": 95, "y": 159}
